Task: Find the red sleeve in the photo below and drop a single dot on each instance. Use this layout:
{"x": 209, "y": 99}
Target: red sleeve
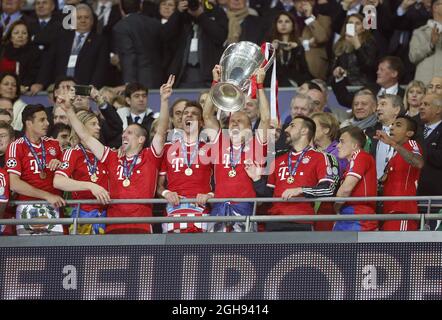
{"x": 13, "y": 158}
{"x": 58, "y": 149}
{"x": 271, "y": 181}
{"x": 414, "y": 147}
{"x": 360, "y": 166}
{"x": 163, "y": 164}
{"x": 68, "y": 163}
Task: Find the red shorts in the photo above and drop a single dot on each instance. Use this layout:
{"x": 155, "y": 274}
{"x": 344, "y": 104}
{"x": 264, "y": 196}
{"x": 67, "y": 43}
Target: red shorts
{"x": 400, "y": 225}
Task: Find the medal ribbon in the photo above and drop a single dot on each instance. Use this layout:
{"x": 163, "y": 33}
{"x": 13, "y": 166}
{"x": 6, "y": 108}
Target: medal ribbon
{"x": 234, "y": 162}
{"x": 192, "y": 155}
{"x": 127, "y": 171}
{"x": 298, "y": 161}
{"x": 40, "y": 164}
{"x": 92, "y": 168}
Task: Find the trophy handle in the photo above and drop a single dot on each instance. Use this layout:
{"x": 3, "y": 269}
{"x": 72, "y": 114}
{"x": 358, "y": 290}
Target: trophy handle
{"x": 271, "y": 59}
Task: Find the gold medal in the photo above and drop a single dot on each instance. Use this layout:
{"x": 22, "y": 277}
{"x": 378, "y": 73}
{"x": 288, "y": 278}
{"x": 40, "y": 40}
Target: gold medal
{"x": 232, "y": 173}
{"x": 290, "y": 180}
{"x": 43, "y": 175}
{"x": 94, "y": 178}
{"x": 126, "y": 183}
{"x": 188, "y": 172}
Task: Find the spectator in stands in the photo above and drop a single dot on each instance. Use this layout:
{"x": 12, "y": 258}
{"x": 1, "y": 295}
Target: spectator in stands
{"x": 85, "y": 176}
{"x": 301, "y": 105}
{"x": 46, "y": 26}
{"x": 188, "y": 173}
{"x": 426, "y": 46}
{"x": 315, "y": 31}
{"x": 6, "y": 104}
{"x": 81, "y": 54}
{"x": 199, "y": 34}
{"x": 139, "y": 112}
{"x": 317, "y": 91}
{"x": 108, "y": 14}
{"x": 435, "y": 85}
{"x": 291, "y": 66}
{"x": 18, "y": 55}
{"x": 176, "y": 113}
{"x": 252, "y": 110}
{"x": 383, "y": 21}
{"x": 61, "y": 132}
{"x": 430, "y": 113}
{"x": 389, "y": 107}
{"x": 10, "y": 89}
{"x": 11, "y": 12}
{"x": 31, "y": 162}
{"x": 166, "y": 9}
{"x": 409, "y": 15}
{"x": 388, "y": 74}
{"x": 364, "y": 108}
{"x": 233, "y": 151}
{"x": 137, "y": 40}
{"x": 132, "y": 175}
{"x": 359, "y": 180}
{"x": 5, "y": 116}
{"x": 356, "y": 53}
{"x": 294, "y": 176}
{"x": 243, "y": 26}
{"x": 414, "y": 94}
{"x": 402, "y": 172}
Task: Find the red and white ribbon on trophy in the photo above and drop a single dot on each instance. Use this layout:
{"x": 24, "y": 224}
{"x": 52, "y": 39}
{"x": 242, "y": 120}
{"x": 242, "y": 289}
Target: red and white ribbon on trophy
{"x": 266, "y": 49}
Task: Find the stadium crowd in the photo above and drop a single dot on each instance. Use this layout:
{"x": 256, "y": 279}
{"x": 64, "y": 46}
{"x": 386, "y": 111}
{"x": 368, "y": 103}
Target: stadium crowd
{"x": 99, "y": 139}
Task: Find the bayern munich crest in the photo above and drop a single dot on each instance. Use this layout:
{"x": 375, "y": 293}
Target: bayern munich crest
{"x": 52, "y": 151}
{"x": 11, "y": 163}
{"x": 305, "y": 160}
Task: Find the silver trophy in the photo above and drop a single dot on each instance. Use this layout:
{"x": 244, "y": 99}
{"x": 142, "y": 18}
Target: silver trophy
{"x": 239, "y": 62}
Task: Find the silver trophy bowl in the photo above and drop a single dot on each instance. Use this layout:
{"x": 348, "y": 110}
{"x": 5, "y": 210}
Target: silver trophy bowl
{"x": 239, "y": 62}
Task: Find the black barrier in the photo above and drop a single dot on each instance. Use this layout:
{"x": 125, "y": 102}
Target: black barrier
{"x": 334, "y": 269}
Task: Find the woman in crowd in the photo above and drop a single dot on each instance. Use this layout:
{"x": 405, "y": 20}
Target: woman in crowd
{"x": 291, "y": 66}
{"x": 356, "y": 54}
{"x": 10, "y": 89}
{"x": 414, "y": 94}
{"x": 18, "y": 55}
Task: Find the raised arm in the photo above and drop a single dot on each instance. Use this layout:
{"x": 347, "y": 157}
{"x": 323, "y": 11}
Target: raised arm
{"x": 163, "y": 121}
{"x": 65, "y": 100}
{"x": 211, "y": 124}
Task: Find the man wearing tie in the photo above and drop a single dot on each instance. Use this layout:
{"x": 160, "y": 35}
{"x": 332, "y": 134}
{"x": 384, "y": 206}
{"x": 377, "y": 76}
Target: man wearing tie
{"x": 430, "y": 112}
{"x": 81, "y": 54}
{"x": 136, "y": 99}
{"x": 11, "y": 13}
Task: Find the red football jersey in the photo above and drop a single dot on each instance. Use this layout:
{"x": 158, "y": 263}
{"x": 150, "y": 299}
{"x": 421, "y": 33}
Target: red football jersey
{"x": 402, "y": 180}
{"x": 226, "y": 186}
{"x": 4, "y": 185}
{"x": 143, "y": 184}
{"x": 20, "y": 161}
{"x": 74, "y": 166}
{"x": 363, "y": 167}
{"x": 312, "y": 169}
{"x": 174, "y": 168}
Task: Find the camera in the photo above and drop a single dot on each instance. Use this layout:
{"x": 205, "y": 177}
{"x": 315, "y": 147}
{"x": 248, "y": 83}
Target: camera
{"x": 193, "y": 4}
{"x": 82, "y": 90}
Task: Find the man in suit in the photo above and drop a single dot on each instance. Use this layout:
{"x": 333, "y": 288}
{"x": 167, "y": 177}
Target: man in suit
{"x": 11, "y": 12}
{"x": 387, "y": 82}
{"x": 137, "y": 41}
{"x": 136, "y": 99}
{"x": 107, "y": 16}
{"x": 81, "y": 54}
{"x": 430, "y": 112}
{"x": 199, "y": 35}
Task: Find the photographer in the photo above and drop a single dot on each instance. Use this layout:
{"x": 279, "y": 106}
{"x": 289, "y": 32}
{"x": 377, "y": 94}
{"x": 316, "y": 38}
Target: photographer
{"x": 426, "y": 46}
{"x": 199, "y": 33}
